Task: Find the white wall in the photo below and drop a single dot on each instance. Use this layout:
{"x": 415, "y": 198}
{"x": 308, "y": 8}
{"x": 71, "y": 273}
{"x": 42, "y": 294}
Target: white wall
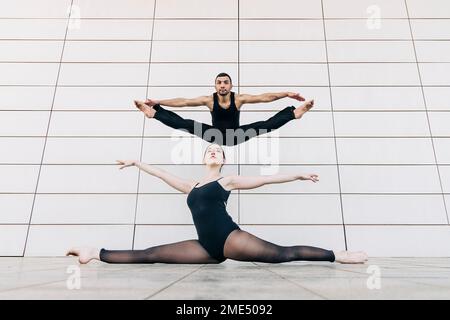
{"x": 378, "y": 136}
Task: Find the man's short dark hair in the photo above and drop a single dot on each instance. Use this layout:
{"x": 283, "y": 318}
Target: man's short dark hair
{"x": 223, "y": 74}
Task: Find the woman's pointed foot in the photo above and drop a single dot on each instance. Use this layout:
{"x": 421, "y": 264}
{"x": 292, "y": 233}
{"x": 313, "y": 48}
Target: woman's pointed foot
{"x": 300, "y": 111}
{"x": 351, "y": 257}
{"x": 84, "y": 254}
{"x": 148, "y": 111}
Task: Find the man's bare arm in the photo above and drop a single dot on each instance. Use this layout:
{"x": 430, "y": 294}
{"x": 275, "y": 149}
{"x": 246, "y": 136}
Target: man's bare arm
{"x": 180, "y": 102}
{"x": 268, "y": 97}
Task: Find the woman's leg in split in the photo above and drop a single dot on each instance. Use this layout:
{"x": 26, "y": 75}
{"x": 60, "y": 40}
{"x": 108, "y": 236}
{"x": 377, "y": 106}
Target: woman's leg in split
{"x": 189, "y": 252}
{"x": 243, "y": 246}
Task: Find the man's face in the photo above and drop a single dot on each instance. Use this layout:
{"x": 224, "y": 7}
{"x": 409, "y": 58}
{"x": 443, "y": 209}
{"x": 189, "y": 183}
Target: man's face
{"x": 223, "y": 85}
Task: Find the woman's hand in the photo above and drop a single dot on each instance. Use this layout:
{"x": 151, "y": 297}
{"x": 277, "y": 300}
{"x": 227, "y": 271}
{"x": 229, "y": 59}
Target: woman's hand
{"x": 126, "y": 163}
{"x": 313, "y": 177}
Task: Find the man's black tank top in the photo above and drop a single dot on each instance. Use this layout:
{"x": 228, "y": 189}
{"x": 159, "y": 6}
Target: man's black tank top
{"x": 225, "y": 118}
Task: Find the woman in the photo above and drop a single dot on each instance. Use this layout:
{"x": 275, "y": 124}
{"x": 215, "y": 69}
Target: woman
{"x": 219, "y": 237}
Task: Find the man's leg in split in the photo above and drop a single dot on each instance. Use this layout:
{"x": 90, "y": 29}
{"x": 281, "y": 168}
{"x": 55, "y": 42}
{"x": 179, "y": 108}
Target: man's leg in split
{"x": 243, "y": 246}
{"x": 189, "y": 251}
{"x": 248, "y": 131}
{"x": 173, "y": 120}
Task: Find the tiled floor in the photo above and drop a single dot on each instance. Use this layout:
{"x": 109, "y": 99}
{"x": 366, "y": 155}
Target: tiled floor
{"x": 378, "y": 135}
{"x": 399, "y": 278}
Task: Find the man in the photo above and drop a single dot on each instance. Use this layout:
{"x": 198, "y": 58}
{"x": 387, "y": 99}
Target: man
{"x": 224, "y": 106}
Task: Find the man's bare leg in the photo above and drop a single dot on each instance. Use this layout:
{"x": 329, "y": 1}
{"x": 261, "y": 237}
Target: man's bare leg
{"x": 300, "y": 111}
{"x": 148, "y": 111}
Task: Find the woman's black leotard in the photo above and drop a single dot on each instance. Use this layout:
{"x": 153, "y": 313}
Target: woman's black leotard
{"x": 211, "y": 219}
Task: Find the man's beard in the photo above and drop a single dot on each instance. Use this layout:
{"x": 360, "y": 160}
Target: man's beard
{"x": 223, "y": 94}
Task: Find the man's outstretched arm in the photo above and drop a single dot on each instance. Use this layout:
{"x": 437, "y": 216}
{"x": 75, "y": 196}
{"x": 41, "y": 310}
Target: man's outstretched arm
{"x": 269, "y": 97}
{"x": 180, "y": 102}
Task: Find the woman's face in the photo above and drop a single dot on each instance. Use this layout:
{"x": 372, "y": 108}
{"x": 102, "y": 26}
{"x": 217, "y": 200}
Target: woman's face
{"x": 214, "y": 155}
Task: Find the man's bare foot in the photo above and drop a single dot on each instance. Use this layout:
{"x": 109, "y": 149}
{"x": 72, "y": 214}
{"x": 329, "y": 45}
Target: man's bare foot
{"x": 300, "y": 111}
{"x": 148, "y": 111}
{"x": 351, "y": 257}
{"x": 85, "y": 254}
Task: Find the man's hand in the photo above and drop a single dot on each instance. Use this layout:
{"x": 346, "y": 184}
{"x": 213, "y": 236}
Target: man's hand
{"x": 126, "y": 163}
{"x": 295, "y": 96}
{"x": 151, "y": 102}
{"x": 313, "y": 177}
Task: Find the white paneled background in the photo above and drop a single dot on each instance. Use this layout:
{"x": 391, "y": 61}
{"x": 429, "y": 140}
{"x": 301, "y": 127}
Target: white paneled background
{"x": 379, "y": 135}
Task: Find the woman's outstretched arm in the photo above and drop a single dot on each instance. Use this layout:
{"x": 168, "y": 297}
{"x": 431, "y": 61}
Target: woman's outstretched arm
{"x": 183, "y": 185}
{"x": 252, "y": 182}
